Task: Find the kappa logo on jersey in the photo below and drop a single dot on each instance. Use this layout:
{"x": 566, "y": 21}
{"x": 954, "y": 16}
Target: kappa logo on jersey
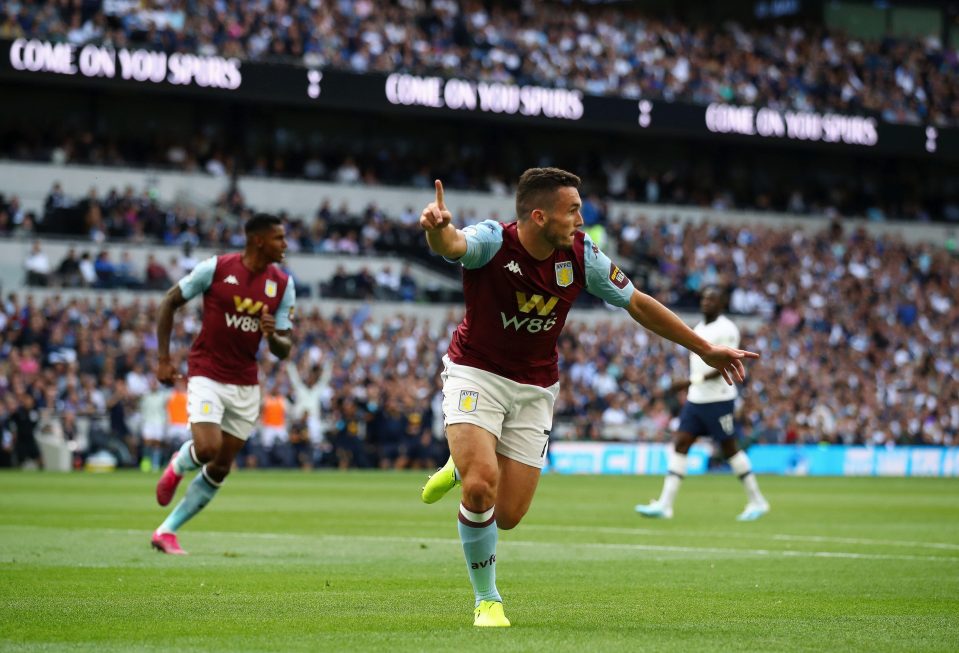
{"x": 617, "y": 277}
{"x": 564, "y": 273}
{"x": 270, "y": 288}
{"x": 231, "y": 280}
{"x": 513, "y": 266}
{"x": 468, "y": 401}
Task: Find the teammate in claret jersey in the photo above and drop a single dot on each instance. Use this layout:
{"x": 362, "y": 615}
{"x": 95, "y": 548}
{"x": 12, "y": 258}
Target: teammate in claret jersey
{"x": 245, "y": 298}
{"x": 501, "y": 377}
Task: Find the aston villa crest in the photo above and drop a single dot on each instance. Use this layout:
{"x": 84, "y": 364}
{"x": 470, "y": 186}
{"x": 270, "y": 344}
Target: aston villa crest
{"x": 468, "y": 401}
{"x": 270, "y": 289}
{"x": 564, "y": 273}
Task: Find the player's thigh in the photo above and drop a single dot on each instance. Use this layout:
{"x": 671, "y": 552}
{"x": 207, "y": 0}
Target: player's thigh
{"x": 474, "y": 407}
{"x": 528, "y": 423}
{"x": 473, "y": 396}
{"x": 229, "y": 448}
{"x": 473, "y": 449}
{"x": 207, "y": 440}
{"x": 204, "y": 400}
{"x": 692, "y": 424}
{"x": 241, "y": 410}
{"x": 720, "y": 421}
{"x": 517, "y": 485}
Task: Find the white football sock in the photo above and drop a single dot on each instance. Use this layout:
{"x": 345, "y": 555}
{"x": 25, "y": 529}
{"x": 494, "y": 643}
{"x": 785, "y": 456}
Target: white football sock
{"x": 678, "y": 462}
{"x": 744, "y": 470}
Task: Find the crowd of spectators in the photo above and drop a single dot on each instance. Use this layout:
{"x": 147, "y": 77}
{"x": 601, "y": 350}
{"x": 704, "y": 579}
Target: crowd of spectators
{"x": 601, "y": 50}
{"x": 857, "y": 336}
{"x": 670, "y": 258}
{"x": 680, "y": 175}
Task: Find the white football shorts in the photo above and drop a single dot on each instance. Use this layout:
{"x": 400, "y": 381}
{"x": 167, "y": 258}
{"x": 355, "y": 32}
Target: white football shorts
{"x": 518, "y": 414}
{"x": 235, "y": 408}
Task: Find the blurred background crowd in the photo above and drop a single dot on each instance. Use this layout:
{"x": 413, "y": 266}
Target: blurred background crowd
{"x": 857, "y": 334}
{"x": 111, "y": 188}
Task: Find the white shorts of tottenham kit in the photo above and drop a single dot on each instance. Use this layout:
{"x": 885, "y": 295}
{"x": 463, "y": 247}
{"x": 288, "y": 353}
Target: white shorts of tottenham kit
{"x": 235, "y": 408}
{"x": 518, "y": 414}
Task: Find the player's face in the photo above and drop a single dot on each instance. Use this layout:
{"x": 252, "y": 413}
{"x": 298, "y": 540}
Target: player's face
{"x": 273, "y": 244}
{"x": 564, "y": 219}
{"x": 710, "y": 303}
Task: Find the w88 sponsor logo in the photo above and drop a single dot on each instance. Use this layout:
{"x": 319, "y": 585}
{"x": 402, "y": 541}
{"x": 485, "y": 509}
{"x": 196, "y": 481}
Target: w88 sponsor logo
{"x": 527, "y": 305}
{"x": 533, "y": 325}
{"x": 244, "y": 323}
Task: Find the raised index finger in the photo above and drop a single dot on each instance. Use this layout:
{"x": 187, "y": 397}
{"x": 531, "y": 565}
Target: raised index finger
{"x": 439, "y": 194}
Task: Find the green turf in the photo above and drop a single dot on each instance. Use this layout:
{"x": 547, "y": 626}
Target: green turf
{"x": 354, "y": 562}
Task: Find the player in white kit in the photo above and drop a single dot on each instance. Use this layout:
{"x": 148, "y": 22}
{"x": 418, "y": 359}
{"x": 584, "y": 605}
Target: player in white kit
{"x": 710, "y": 404}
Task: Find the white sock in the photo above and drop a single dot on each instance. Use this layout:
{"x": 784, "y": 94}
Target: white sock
{"x": 744, "y": 470}
{"x": 678, "y": 462}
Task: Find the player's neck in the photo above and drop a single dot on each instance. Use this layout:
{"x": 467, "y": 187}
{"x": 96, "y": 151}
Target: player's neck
{"x": 710, "y": 318}
{"x": 253, "y": 262}
{"x": 530, "y": 239}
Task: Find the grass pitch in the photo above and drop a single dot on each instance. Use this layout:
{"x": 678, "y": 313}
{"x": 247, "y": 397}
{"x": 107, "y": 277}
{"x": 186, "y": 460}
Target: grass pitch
{"x": 354, "y": 562}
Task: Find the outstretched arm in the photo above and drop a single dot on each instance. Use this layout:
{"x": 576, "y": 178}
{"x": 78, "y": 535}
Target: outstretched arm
{"x": 442, "y": 237}
{"x": 172, "y": 301}
{"x": 662, "y": 321}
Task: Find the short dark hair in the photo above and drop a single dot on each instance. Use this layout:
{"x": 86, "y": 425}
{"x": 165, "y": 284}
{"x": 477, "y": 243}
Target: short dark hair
{"x": 261, "y": 222}
{"x": 536, "y": 183}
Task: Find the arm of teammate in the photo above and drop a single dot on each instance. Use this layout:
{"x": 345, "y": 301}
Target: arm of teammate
{"x": 442, "y": 237}
{"x": 185, "y": 289}
{"x": 277, "y": 328}
{"x": 280, "y": 342}
{"x": 172, "y": 301}
{"x": 663, "y": 322}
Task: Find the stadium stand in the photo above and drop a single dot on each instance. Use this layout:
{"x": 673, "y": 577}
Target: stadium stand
{"x": 609, "y": 50}
{"x": 856, "y": 324}
{"x": 836, "y": 369}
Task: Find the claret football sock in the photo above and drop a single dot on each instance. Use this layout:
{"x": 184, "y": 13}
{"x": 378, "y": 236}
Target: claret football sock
{"x": 199, "y": 493}
{"x": 479, "y": 535}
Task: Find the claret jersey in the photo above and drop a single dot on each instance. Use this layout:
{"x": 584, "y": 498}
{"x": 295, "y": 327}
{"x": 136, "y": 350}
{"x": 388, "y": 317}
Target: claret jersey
{"x": 516, "y": 305}
{"x": 233, "y": 299}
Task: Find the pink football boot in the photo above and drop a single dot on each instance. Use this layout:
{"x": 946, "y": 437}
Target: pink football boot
{"x": 166, "y": 486}
{"x": 166, "y": 543}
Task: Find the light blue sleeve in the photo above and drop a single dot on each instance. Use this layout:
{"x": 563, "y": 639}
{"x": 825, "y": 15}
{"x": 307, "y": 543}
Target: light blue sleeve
{"x": 604, "y": 278}
{"x": 483, "y": 240}
{"x": 199, "y": 279}
{"x": 284, "y": 314}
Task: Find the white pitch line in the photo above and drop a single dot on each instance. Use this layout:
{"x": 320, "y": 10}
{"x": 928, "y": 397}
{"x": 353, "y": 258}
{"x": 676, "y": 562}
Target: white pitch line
{"x": 565, "y": 545}
{"x": 752, "y": 535}
{"x": 659, "y": 548}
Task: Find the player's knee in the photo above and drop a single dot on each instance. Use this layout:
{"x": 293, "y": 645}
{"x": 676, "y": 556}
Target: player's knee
{"x": 205, "y": 451}
{"x": 683, "y": 442}
{"x": 479, "y": 490}
{"x": 217, "y": 471}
